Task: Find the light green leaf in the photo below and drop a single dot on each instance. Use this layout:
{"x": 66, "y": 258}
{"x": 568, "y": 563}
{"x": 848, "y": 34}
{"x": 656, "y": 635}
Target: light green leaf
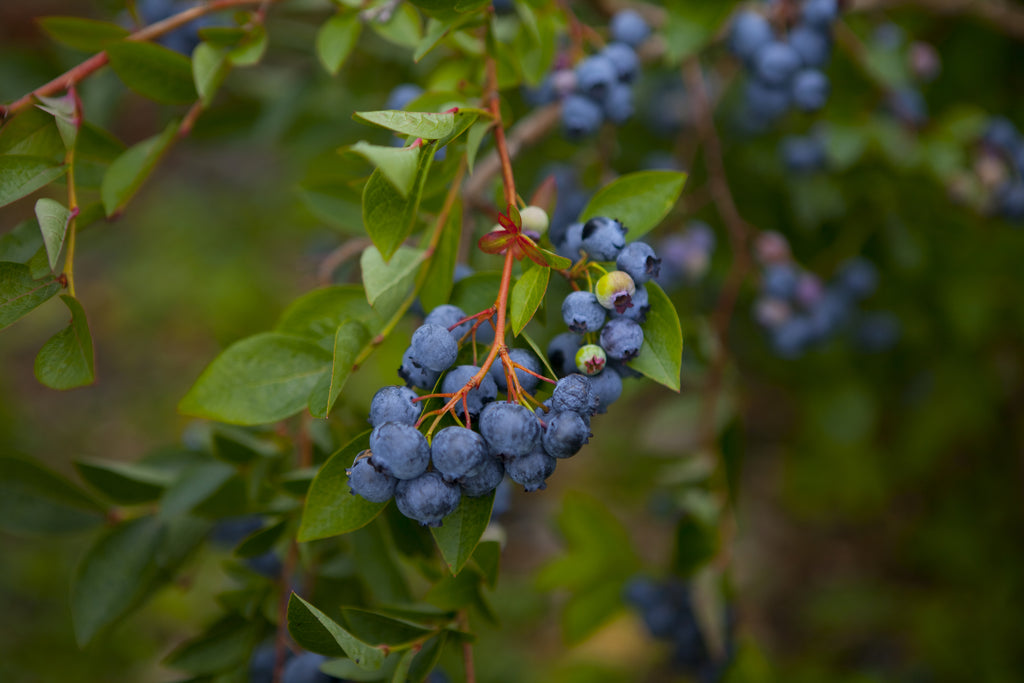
{"x": 31, "y": 133}
{"x": 263, "y": 378}
{"x": 64, "y": 111}
{"x": 153, "y": 71}
{"x": 331, "y": 509}
{"x": 349, "y": 341}
{"x": 20, "y": 293}
{"x": 335, "y": 40}
{"x": 527, "y": 294}
{"x": 398, "y": 164}
{"x": 23, "y": 175}
{"x": 317, "y": 314}
{"x": 317, "y": 632}
{"x": 67, "y": 360}
{"x": 87, "y": 35}
{"x": 639, "y": 200}
{"x": 127, "y": 173}
{"x": 209, "y": 68}
{"x": 554, "y": 260}
{"x": 387, "y": 215}
{"x": 126, "y": 483}
{"x": 403, "y": 28}
{"x": 661, "y": 356}
{"x": 460, "y": 532}
{"x": 386, "y": 282}
{"x": 36, "y": 501}
{"x": 437, "y": 284}
{"x": 53, "y": 223}
{"x": 473, "y": 139}
{"x": 415, "y": 123}
{"x": 250, "y": 48}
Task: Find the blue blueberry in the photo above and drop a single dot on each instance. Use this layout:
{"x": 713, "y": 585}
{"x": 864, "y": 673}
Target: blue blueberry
{"x": 624, "y": 59}
{"x": 574, "y": 392}
{"x": 562, "y": 352}
{"x": 261, "y": 664}
{"x": 521, "y": 357}
{"x": 1009, "y": 199}
{"x": 448, "y": 317}
{"x": 394, "y": 404}
{"x": 573, "y": 242}
{"x": 618, "y": 103}
{"x": 364, "y": 480}
{"x": 820, "y": 13}
{"x": 780, "y": 280}
{"x": 828, "y": 315}
{"x": 661, "y": 161}
{"x": 814, "y": 46}
{"x": 858, "y": 278}
{"x": 486, "y": 479}
{"x": 627, "y": 26}
{"x": 476, "y": 397}
{"x": 511, "y": 430}
{"x": 909, "y": 106}
{"x": 582, "y": 313}
{"x": 458, "y": 453}
{"x": 607, "y": 385}
{"x": 581, "y": 117}
{"x": 433, "y": 347}
{"x": 399, "y": 450}
{"x": 531, "y": 470}
{"x": 502, "y": 499}
{"x": 565, "y": 434}
{"x": 603, "y": 238}
{"x": 228, "y": 532}
{"x": 268, "y": 564}
{"x": 877, "y": 332}
{"x": 305, "y": 668}
{"x": 622, "y": 339}
{"x": 888, "y": 36}
{"x": 776, "y": 63}
{"x": 639, "y": 260}
{"x": 749, "y": 33}
{"x": 641, "y": 305}
{"x": 402, "y": 95}
{"x": 503, "y": 6}
{"x": 595, "y": 75}
{"x": 427, "y": 499}
{"x": 1001, "y": 134}
{"x": 810, "y": 90}
{"x": 541, "y": 95}
{"x": 415, "y": 374}
{"x": 765, "y": 102}
{"x": 793, "y": 337}
{"x": 802, "y": 153}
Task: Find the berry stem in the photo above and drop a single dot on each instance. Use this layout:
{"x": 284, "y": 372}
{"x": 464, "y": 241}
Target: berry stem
{"x": 500, "y": 143}
{"x": 69, "y": 254}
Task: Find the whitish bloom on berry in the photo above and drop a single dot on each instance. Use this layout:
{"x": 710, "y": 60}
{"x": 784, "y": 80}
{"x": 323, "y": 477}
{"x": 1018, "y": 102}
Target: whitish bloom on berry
{"x": 535, "y": 219}
{"x": 590, "y": 359}
{"x": 615, "y": 291}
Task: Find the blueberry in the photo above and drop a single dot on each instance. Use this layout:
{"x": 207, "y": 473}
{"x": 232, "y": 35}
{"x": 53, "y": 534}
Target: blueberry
{"x": 582, "y": 313}
{"x": 581, "y": 117}
{"x": 365, "y": 481}
{"x": 814, "y": 46}
{"x": 477, "y": 397}
{"x": 566, "y": 433}
{"x": 434, "y": 347}
{"x": 573, "y": 242}
{"x": 402, "y": 95}
{"x": 771, "y": 312}
{"x": 1010, "y": 201}
{"x": 541, "y": 95}
{"x": 399, "y": 450}
{"x": 642, "y": 592}
{"x": 808, "y": 290}
{"x": 810, "y": 90}
{"x": 591, "y": 359}
{"x": 607, "y": 386}
{"x": 416, "y": 375}
{"x": 261, "y": 664}
{"x": 749, "y": 33}
{"x": 511, "y": 430}
{"x": 503, "y": 6}
{"x": 641, "y": 305}
{"x": 1001, "y": 134}
{"x": 615, "y": 290}
{"x": 227, "y": 532}
{"x": 531, "y": 470}
{"x": 268, "y": 564}
{"x": 305, "y": 668}
{"x": 622, "y": 338}
{"x": 909, "y": 106}
{"x": 639, "y": 260}
{"x": 878, "y": 332}
{"x": 888, "y": 36}
{"x": 603, "y": 238}
{"x": 802, "y": 153}
{"x": 428, "y": 498}
{"x": 627, "y": 26}
{"x": 521, "y": 357}
{"x": 394, "y": 404}
{"x": 502, "y": 499}
{"x": 624, "y": 59}
{"x": 857, "y": 278}
{"x": 574, "y": 392}
{"x": 562, "y": 352}
{"x": 595, "y": 75}
{"x": 820, "y": 13}
{"x": 780, "y": 280}
{"x": 925, "y": 62}
{"x": 660, "y": 161}
{"x": 486, "y": 480}
{"x": 793, "y": 337}
{"x": 448, "y": 316}
{"x": 765, "y": 102}
{"x": 775, "y": 63}
{"x": 458, "y": 452}
{"x": 829, "y": 314}
{"x": 618, "y": 103}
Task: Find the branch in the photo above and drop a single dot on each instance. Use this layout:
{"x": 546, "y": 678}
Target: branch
{"x": 1001, "y": 15}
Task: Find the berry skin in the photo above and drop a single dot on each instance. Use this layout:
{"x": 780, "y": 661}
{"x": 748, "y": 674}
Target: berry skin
{"x": 624, "y": 59}
{"x": 909, "y": 106}
{"x": 261, "y": 664}
{"x": 775, "y": 63}
{"x": 511, "y": 430}
{"x": 486, "y": 480}
{"x": 766, "y": 102}
{"x": 566, "y": 434}
{"x": 857, "y": 278}
{"x": 750, "y": 32}
{"x": 603, "y": 238}
{"x": 813, "y": 45}
{"x": 614, "y": 291}
{"x": 641, "y": 304}
{"x": 531, "y": 470}
{"x": 581, "y": 117}
{"x": 629, "y": 27}
{"x": 305, "y": 668}
{"x": 394, "y": 404}
{"x": 457, "y": 453}
{"x": 535, "y": 219}
{"x": 802, "y": 153}
{"x": 878, "y": 332}
{"x": 582, "y": 313}
{"x": 573, "y": 242}
{"x": 428, "y": 498}
{"x": 446, "y": 316}
{"x": 607, "y": 386}
{"x": 414, "y": 374}
{"x": 618, "y": 103}
{"x": 574, "y": 392}
{"x": 1010, "y": 201}
{"x": 622, "y": 339}
{"x": 820, "y": 13}
{"x": 365, "y": 481}
{"x": 591, "y": 359}
{"x": 780, "y": 281}
{"x": 477, "y": 397}
{"x": 793, "y": 337}
{"x": 562, "y": 352}
{"x": 399, "y": 450}
{"x": 639, "y": 261}
{"x": 434, "y": 347}
{"x": 1001, "y": 134}
{"x": 527, "y": 381}
{"x": 402, "y": 95}
{"x": 595, "y": 75}
{"x": 810, "y": 90}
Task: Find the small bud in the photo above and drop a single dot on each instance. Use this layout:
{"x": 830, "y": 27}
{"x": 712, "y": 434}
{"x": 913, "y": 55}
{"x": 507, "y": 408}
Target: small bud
{"x": 535, "y": 219}
{"x": 591, "y": 359}
{"x": 615, "y": 291}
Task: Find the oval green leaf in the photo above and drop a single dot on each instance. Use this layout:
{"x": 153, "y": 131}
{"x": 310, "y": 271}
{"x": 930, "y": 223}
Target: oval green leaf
{"x": 661, "y": 356}
{"x": 639, "y": 200}
{"x": 460, "y": 532}
{"x": 36, "y": 501}
{"x": 335, "y": 40}
{"x": 317, "y": 632}
{"x": 23, "y": 175}
{"x": 127, "y": 173}
{"x": 67, "y": 360}
{"x": 87, "y": 35}
{"x": 20, "y": 293}
{"x": 153, "y": 71}
{"x": 527, "y": 294}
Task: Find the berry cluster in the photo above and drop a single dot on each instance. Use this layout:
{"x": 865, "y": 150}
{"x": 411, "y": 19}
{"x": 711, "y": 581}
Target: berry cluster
{"x": 785, "y": 72}
{"x": 668, "y": 613}
{"x": 1001, "y": 158}
{"x": 686, "y": 256}
{"x": 803, "y": 154}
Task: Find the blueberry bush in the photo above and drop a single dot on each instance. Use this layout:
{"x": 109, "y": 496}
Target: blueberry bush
{"x": 459, "y": 340}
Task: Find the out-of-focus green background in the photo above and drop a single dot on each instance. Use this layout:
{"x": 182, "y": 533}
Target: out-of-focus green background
{"x": 880, "y": 502}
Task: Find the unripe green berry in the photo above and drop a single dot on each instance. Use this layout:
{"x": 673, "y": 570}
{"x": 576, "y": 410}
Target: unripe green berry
{"x": 615, "y": 291}
{"x": 535, "y": 219}
{"x": 590, "y": 359}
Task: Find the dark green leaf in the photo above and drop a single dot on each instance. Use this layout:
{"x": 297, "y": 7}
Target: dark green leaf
{"x": 22, "y": 242}
{"x": 225, "y": 645}
{"x": 53, "y": 220}
{"x": 426, "y": 659}
{"x": 113, "y": 575}
{"x": 587, "y": 611}
{"x": 20, "y": 293}
{"x": 124, "y": 482}
{"x": 34, "y": 500}
{"x": 209, "y": 68}
{"x": 316, "y": 632}
{"x": 263, "y": 378}
{"x": 437, "y": 285}
{"x": 330, "y": 508}
{"x": 428, "y": 126}
{"x": 373, "y": 553}
{"x": 196, "y": 485}
{"x": 349, "y": 341}
{"x": 456, "y": 592}
{"x": 460, "y": 532}
{"x": 67, "y": 360}
{"x": 695, "y": 545}
{"x": 372, "y": 627}
{"x": 153, "y": 71}
{"x": 487, "y": 557}
{"x": 476, "y": 292}
{"x": 401, "y": 674}
{"x": 23, "y": 175}
{"x": 387, "y": 283}
{"x": 661, "y": 356}
{"x": 527, "y": 295}
{"x": 64, "y": 110}
{"x": 387, "y": 215}
{"x": 317, "y": 314}
{"x": 335, "y": 40}
{"x": 262, "y": 541}
{"x": 398, "y": 164}
{"x": 127, "y": 173}
{"x": 639, "y": 200}
{"x": 87, "y": 35}
{"x": 32, "y": 133}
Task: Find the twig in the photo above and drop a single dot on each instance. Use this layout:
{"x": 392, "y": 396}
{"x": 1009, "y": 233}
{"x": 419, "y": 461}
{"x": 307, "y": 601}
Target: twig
{"x": 1003, "y": 16}
{"x": 344, "y": 251}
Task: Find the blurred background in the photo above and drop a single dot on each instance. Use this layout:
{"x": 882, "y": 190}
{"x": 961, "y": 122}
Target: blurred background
{"x": 879, "y": 515}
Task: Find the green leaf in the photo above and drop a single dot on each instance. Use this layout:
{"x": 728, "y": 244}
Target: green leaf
{"x": 335, "y": 40}
{"x": 456, "y": 592}
{"x": 209, "y": 69}
{"x": 53, "y": 220}
{"x": 22, "y": 175}
{"x": 473, "y": 140}
{"x": 402, "y": 29}
{"x": 251, "y": 47}
{"x": 113, "y": 575}
{"x": 317, "y": 314}
{"x": 20, "y": 293}
{"x": 64, "y": 110}
{"x": 32, "y": 133}
{"x": 639, "y": 200}
{"x": 661, "y": 356}
{"x": 487, "y": 557}
{"x": 125, "y": 483}
{"x": 67, "y": 360}
{"x": 554, "y": 260}
{"x": 316, "y": 632}
{"x": 389, "y": 281}
{"x": 330, "y": 508}
{"x": 87, "y": 35}
{"x": 415, "y": 123}
{"x": 460, "y": 532}
{"x": 695, "y": 545}
{"x": 197, "y": 484}
{"x": 262, "y": 541}
{"x": 127, "y": 173}
{"x": 401, "y": 674}
{"x": 263, "y": 378}
{"x": 153, "y": 71}
{"x": 349, "y": 341}
{"x": 587, "y": 611}
{"x": 372, "y": 627}
{"x": 398, "y": 164}
{"x": 387, "y": 215}
{"x": 225, "y": 645}
{"x": 36, "y": 501}
{"x": 426, "y": 659}
{"x": 438, "y": 282}
{"x": 527, "y": 294}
